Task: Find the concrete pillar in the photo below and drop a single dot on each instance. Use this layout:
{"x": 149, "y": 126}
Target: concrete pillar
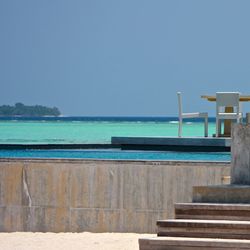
{"x": 240, "y": 151}
{"x": 247, "y": 118}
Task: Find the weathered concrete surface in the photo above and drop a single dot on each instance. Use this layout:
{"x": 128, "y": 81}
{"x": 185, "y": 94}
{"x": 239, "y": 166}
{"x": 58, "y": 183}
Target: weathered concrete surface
{"x": 96, "y": 195}
{"x": 240, "y": 170}
{"x": 239, "y": 190}
{"x": 222, "y": 194}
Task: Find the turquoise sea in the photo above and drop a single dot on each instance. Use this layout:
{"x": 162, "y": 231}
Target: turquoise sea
{"x": 92, "y": 129}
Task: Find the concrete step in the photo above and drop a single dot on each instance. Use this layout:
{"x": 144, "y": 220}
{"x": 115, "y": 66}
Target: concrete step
{"x": 212, "y": 211}
{"x": 178, "y": 243}
{"x": 204, "y": 229}
{"x": 222, "y": 194}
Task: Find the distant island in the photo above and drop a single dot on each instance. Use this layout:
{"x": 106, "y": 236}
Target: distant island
{"x": 19, "y": 109}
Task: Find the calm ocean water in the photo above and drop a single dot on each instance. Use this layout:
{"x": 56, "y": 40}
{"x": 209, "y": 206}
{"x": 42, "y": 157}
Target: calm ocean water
{"x": 92, "y": 129}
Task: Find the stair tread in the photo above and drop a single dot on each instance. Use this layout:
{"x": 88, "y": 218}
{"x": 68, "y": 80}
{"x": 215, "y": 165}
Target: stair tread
{"x": 214, "y": 206}
{"x": 204, "y": 223}
{"x": 183, "y": 241}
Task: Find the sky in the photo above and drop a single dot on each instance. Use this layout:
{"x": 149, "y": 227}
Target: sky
{"x": 123, "y": 57}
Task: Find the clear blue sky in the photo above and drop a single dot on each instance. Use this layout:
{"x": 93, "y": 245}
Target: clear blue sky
{"x": 123, "y": 58}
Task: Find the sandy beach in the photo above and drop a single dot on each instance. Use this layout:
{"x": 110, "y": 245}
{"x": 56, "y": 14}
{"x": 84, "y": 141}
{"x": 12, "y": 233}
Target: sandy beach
{"x": 67, "y": 241}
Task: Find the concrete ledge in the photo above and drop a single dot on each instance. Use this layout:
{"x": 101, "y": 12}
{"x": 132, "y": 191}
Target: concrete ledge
{"x": 222, "y": 194}
{"x": 174, "y": 143}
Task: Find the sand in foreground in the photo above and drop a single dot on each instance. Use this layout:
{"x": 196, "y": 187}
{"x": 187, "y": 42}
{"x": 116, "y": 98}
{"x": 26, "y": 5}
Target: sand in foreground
{"x": 67, "y": 241}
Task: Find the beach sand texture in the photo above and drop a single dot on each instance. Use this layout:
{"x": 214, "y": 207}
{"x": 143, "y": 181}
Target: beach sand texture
{"x": 68, "y": 241}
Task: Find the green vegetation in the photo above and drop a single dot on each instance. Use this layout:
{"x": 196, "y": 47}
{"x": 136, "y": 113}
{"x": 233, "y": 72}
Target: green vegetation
{"x": 20, "y": 109}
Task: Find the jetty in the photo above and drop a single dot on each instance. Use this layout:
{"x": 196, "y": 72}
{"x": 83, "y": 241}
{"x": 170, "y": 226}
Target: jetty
{"x": 202, "y": 144}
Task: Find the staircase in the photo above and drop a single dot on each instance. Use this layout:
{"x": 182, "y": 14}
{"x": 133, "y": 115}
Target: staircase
{"x": 219, "y": 217}
{"x": 203, "y": 226}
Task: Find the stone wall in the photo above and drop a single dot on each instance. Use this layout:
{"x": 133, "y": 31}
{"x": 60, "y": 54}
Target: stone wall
{"x": 97, "y": 195}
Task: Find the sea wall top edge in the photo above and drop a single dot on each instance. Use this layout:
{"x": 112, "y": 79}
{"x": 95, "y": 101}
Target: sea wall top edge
{"x": 115, "y": 161}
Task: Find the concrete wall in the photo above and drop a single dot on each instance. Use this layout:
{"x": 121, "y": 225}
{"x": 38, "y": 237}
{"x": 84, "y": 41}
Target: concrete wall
{"x": 97, "y": 195}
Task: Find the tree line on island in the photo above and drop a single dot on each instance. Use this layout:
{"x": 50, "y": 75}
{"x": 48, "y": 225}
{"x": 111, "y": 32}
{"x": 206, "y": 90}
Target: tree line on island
{"x": 19, "y": 109}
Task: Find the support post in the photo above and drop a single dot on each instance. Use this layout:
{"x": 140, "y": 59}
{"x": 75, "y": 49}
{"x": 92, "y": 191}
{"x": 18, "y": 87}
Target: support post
{"x": 240, "y": 152}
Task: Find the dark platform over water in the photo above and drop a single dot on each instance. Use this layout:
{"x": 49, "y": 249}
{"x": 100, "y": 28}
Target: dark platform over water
{"x": 202, "y": 144}
{"x": 188, "y": 144}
